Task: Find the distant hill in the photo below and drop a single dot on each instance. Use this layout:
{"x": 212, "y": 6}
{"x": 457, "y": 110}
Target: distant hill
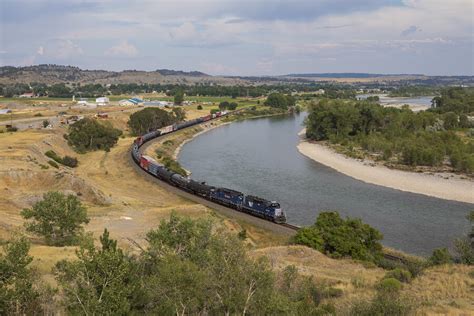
{"x": 348, "y": 75}
{"x": 168, "y": 72}
{"x": 51, "y": 74}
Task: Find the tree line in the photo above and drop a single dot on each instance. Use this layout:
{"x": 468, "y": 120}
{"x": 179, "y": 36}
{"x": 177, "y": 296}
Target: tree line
{"x": 89, "y": 90}
{"x": 425, "y": 138}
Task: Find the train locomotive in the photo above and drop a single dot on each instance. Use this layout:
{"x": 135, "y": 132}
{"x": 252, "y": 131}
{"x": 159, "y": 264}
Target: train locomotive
{"x": 250, "y": 204}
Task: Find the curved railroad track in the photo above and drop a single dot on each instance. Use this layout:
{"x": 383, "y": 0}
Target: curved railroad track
{"x": 281, "y": 229}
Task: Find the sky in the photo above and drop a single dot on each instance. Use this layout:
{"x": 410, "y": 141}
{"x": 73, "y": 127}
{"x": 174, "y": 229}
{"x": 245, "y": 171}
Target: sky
{"x": 242, "y": 37}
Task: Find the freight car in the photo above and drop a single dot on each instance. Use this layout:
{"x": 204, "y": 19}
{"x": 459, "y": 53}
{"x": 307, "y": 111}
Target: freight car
{"x": 250, "y": 204}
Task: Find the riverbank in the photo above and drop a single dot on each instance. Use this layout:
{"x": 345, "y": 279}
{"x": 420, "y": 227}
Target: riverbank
{"x": 435, "y": 185}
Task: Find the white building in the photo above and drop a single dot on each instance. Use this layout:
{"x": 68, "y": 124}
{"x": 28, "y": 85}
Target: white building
{"x": 102, "y": 101}
{"x": 126, "y": 102}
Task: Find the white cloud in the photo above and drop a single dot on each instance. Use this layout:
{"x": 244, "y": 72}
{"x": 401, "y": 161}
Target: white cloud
{"x": 40, "y": 50}
{"x": 123, "y": 49}
{"x": 66, "y": 49}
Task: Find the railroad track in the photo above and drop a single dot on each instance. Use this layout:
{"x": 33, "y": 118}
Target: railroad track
{"x": 290, "y": 226}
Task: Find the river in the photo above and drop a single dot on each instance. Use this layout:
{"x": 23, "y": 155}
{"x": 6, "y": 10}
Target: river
{"x": 259, "y": 156}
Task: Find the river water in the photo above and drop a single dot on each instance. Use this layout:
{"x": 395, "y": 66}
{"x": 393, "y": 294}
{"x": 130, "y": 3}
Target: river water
{"x": 260, "y": 157}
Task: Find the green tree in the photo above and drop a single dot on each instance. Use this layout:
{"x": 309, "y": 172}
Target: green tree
{"x": 340, "y": 237}
{"x": 101, "y": 282}
{"x": 232, "y": 106}
{"x": 151, "y": 119}
{"x": 18, "y": 293}
{"x": 223, "y": 105}
{"x": 58, "y": 218}
{"x": 279, "y": 100}
{"x": 451, "y": 120}
{"x": 191, "y": 268}
{"x": 178, "y": 97}
{"x": 179, "y": 114}
{"x": 89, "y": 135}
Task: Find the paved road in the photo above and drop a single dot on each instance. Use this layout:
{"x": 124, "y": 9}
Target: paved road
{"x": 228, "y": 212}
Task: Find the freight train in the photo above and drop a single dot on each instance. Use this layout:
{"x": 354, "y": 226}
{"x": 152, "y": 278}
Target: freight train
{"x": 250, "y": 204}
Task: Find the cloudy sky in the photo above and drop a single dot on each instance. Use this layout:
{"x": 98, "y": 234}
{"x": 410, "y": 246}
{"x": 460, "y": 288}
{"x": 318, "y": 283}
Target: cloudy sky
{"x": 242, "y": 37}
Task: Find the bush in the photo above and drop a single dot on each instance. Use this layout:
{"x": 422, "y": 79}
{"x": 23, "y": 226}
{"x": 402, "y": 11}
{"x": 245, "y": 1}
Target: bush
{"x": 199, "y": 107}
{"x": 70, "y": 161}
{"x": 389, "y": 285}
{"x": 440, "y": 256}
{"x": 51, "y": 154}
{"x": 89, "y": 135}
{"x": 382, "y": 304}
{"x": 66, "y": 160}
{"x": 12, "y": 129}
{"x": 399, "y": 274}
{"x": 214, "y": 111}
{"x": 174, "y": 166}
{"x": 53, "y": 164}
{"x": 45, "y": 123}
{"x": 339, "y": 237}
{"x": 232, "y": 106}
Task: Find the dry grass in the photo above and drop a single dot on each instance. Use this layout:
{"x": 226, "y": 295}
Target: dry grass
{"x": 444, "y": 290}
{"x": 354, "y": 279}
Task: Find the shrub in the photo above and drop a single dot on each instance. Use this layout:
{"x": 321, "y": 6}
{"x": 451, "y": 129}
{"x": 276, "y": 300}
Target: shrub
{"x": 440, "y": 256}
{"x": 45, "y": 123}
{"x": 199, "y": 107}
{"x": 174, "y": 166}
{"x": 38, "y": 115}
{"x": 389, "y": 285}
{"x": 70, "y": 161}
{"x": 399, "y": 274}
{"x": 382, "y": 304}
{"x": 12, "y": 129}
{"x": 332, "y": 292}
{"x": 242, "y": 234}
{"x": 66, "y": 160}
{"x": 232, "y": 106}
{"x": 52, "y": 154}
{"x": 53, "y": 164}
{"x": 214, "y": 111}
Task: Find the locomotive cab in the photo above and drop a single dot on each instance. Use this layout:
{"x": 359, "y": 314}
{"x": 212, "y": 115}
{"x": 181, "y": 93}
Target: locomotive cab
{"x": 279, "y": 215}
